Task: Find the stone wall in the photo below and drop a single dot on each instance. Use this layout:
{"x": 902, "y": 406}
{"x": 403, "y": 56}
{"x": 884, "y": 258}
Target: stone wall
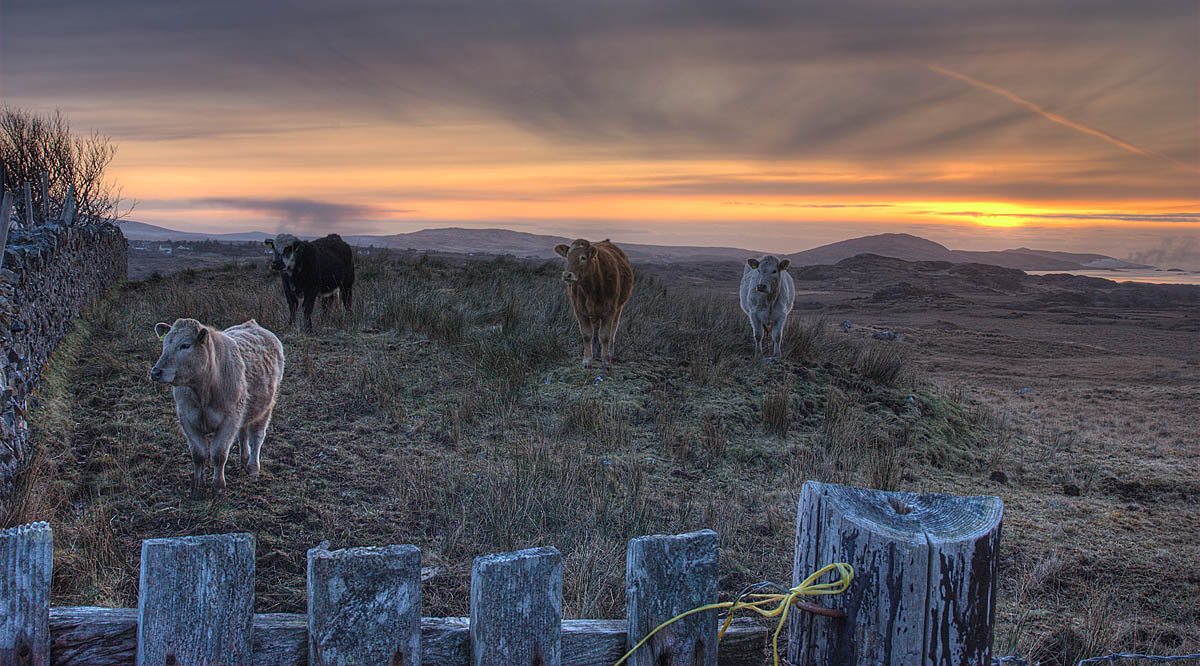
{"x": 50, "y": 274}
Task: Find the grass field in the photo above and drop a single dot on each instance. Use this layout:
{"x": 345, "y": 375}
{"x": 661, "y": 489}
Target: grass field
{"x": 448, "y": 410}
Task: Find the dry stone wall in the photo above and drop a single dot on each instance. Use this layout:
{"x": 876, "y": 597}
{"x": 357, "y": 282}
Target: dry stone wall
{"x": 50, "y": 274}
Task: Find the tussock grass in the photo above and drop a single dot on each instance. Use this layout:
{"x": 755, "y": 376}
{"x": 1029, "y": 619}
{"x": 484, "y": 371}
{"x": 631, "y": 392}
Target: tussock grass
{"x": 447, "y": 409}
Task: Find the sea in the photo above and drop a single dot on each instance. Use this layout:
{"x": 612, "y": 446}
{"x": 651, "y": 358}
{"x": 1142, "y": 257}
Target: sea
{"x": 1136, "y": 275}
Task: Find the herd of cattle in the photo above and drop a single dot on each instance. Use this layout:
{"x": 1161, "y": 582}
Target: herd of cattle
{"x": 225, "y": 382}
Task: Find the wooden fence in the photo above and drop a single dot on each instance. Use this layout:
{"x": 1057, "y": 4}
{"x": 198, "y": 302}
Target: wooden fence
{"x": 923, "y": 592}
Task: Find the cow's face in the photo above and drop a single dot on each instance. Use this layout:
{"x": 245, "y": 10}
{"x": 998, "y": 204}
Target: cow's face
{"x": 283, "y": 249}
{"x": 579, "y": 256}
{"x": 184, "y": 352}
{"x": 769, "y": 269}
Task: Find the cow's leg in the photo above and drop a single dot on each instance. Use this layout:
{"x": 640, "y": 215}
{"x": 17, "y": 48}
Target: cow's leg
{"x": 585, "y": 328}
{"x": 292, "y": 302}
{"x": 218, "y": 452}
{"x": 199, "y": 460}
{"x": 198, "y": 447}
{"x": 243, "y": 443}
{"x": 606, "y": 331}
{"x": 347, "y": 297}
{"x": 258, "y": 432}
{"x": 757, "y": 327}
{"x": 777, "y": 338}
{"x": 310, "y": 300}
{"x": 612, "y": 335}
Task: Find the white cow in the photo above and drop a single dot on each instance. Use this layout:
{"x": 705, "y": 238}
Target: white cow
{"x": 224, "y": 387}
{"x": 766, "y": 296}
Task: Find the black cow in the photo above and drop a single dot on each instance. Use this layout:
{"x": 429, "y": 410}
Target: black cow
{"x": 313, "y": 269}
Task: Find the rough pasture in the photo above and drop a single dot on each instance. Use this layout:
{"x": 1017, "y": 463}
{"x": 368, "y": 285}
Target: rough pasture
{"x": 448, "y": 410}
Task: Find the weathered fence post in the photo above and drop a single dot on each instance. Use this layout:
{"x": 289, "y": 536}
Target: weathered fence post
{"x": 6, "y": 204}
{"x": 45, "y": 197}
{"x": 665, "y": 576}
{"x": 68, "y": 207}
{"x": 516, "y": 609}
{"x": 26, "y": 563}
{"x": 924, "y": 589}
{"x": 364, "y": 606}
{"x": 28, "y": 187}
{"x": 196, "y": 601}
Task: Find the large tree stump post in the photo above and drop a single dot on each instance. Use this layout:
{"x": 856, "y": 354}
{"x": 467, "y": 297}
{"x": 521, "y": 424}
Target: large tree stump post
{"x": 364, "y": 606}
{"x": 924, "y": 589}
{"x": 196, "y": 601}
{"x": 26, "y": 564}
{"x": 516, "y": 609}
{"x": 666, "y": 576}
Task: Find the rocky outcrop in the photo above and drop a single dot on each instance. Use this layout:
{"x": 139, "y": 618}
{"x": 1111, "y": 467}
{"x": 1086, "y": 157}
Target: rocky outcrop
{"x": 49, "y": 275}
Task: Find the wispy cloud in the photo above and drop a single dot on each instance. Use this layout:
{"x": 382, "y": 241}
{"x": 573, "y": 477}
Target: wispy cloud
{"x": 1163, "y": 218}
{"x": 767, "y": 204}
{"x": 1057, "y": 118}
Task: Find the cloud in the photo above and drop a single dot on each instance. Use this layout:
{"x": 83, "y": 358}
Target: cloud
{"x": 800, "y": 205}
{"x": 1174, "y": 252}
{"x": 1056, "y": 118}
{"x": 301, "y": 215}
{"x": 1161, "y": 218}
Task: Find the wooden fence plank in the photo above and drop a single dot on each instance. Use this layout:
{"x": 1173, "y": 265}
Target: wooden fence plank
{"x": 45, "y": 197}
{"x": 88, "y": 636}
{"x": 364, "y": 606}
{"x": 6, "y": 204}
{"x": 516, "y": 609}
{"x": 26, "y": 565}
{"x": 913, "y": 555}
{"x": 665, "y": 576}
{"x": 68, "y": 208}
{"x": 196, "y": 601}
{"x": 28, "y": 187}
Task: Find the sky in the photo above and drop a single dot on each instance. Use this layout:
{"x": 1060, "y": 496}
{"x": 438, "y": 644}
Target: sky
{"x": 773, "y": 125}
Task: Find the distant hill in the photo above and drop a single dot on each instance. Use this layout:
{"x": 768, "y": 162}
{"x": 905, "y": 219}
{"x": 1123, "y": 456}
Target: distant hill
{"x": 915, "y": 248}
{"x": 523, "y": 244}
{"x": 142, "y": 231}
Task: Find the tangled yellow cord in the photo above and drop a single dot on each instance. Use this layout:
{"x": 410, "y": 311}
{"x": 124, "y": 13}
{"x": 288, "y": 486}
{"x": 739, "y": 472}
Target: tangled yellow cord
{"x": 807, "y": 588}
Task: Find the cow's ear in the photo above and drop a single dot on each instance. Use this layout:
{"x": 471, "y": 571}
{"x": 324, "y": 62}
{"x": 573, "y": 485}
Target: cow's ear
{"x": 269, "y": 243}
{"x": 784, "y": 264}
{"x": 562, "y": 250}
{"x": 161, "y": 329}
{"x": 202, "y": 336}
{"x": 752, "y": 263}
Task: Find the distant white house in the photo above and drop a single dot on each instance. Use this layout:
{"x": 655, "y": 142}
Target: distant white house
{"x": 165, "y": 249}
{"x": 183, "y": 247}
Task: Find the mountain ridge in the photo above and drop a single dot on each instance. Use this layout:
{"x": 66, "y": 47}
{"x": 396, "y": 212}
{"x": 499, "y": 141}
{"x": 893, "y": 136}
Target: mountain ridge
{"x": 524, "y": 244}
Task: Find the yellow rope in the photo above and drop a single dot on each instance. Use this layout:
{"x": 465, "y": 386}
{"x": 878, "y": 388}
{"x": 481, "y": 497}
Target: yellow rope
{"x": 784, "y": 602}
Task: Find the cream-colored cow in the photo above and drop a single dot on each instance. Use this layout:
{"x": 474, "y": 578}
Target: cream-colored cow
{"x": 224, "y": 386}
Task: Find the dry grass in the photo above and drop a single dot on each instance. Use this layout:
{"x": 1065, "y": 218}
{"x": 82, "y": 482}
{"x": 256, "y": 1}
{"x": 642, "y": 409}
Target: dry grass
{"x": 448, "y": 410}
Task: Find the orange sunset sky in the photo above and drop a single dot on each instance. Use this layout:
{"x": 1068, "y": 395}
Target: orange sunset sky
{"x": 775, "y": 126}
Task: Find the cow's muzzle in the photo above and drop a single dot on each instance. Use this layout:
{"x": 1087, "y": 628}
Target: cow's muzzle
{"x": 277, "y": 265}
{"x": 156, "y": 374}
{"x": 762, "y": 288}
{"x": 570, "y": 277}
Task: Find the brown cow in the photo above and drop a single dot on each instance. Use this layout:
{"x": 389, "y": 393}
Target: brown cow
{"x": 599, "y": 280}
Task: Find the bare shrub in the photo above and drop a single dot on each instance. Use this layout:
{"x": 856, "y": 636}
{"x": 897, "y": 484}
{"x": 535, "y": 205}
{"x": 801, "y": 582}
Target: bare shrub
{"x": 32, "y": 144}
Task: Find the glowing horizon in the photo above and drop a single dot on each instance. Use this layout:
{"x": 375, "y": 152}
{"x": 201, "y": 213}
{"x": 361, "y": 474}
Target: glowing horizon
{"x": 660, "y": 123}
